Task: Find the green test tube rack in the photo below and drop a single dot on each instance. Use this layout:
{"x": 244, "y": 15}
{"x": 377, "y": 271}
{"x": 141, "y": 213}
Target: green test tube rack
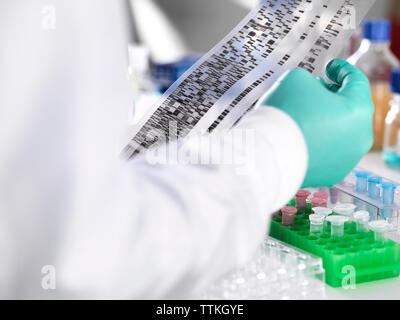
{"x": 356, "y": 253}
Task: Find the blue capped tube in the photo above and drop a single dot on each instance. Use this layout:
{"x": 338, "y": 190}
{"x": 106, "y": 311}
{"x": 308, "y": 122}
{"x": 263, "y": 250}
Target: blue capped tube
{"x": 388, "y": 189}
{"x": 374, "y": 191}
{"x": 361, "y": 182}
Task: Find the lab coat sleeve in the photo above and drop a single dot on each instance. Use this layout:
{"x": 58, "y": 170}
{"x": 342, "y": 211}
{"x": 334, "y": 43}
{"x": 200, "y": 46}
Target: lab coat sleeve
{"x": 169, "y": 230}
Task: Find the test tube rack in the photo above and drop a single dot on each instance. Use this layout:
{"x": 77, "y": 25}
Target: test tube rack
{"x": 377, "y": 209}
{"x": 355, "y": 253}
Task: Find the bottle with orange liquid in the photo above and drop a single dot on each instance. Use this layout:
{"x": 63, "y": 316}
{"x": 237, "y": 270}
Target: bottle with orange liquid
{"x": 391, "y": 152}
{"x": 377, "y": 61}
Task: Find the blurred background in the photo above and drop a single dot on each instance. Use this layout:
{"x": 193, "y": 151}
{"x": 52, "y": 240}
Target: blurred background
{"x": 168, "y": 36}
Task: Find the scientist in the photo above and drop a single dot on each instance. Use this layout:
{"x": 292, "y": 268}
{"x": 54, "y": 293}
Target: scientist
{"x": 78, "y": 222}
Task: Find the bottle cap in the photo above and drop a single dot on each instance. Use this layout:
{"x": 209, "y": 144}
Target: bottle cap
{"x": 395, "y": 81}
{"x": 377, "y": 30}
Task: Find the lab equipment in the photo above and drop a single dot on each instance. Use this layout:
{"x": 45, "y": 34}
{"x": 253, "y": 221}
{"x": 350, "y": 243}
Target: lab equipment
{"x": 354, "y": 251}
{"x": 324, "y": 212}
{"x": 381, "y": 204}
{"x": 337, "y": 225}
{"x": 318, "y": 202}
{"x": 376, "y": 60}
{"x": 277, "y": 271}
{"x": 322, "y": 195}
{"x": 316, "y": 223}
{"x": 288, "y": 214}
{"x": 391, "y": 152}
{"x": 362, "y": 181}
{"x": 380, "y": 228}
{"x": 374, "y": 191}
{"x": 301, "y": 199}
{"x": 234, "y": 75}
{"x": 345, "y": 209}
{"x": 320, "y": 155}
{"x": 388, "y": 189}
{"x": 361, "y": 218}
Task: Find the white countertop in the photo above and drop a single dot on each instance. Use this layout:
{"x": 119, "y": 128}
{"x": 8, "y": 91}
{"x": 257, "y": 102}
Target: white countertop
{"x": 373, "y": 162}
{"x": 383, "y": 289}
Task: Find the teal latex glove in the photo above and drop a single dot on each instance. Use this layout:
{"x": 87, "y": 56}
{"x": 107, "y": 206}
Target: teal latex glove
{"x": 336, "y": 119}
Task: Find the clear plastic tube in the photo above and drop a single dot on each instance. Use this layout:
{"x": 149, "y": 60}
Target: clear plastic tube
{"x": 361, "y": 217}
{"x": 316, "y": 223}
{"x": 337, "y": 225}
{"x": 380, "y": 227}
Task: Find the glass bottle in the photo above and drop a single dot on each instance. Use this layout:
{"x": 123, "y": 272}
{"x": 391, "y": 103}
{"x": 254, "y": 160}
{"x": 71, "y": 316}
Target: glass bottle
{"x": 376, "y": 60}
{"x": 391, "y": 153}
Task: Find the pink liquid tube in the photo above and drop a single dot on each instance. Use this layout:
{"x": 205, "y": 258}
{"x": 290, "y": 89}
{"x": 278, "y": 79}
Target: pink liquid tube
{"x": 319, "y": 202}
{"x": 322, "y": 195}
{"x": 288, "y": 214}
{"x": 301, "y": 199}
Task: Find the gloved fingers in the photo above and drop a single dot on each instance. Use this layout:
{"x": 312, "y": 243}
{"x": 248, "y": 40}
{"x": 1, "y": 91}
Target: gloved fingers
{"x": 352, "y": 82}
{"x": 333, "y": 87}
{"x": 297, "y": 78}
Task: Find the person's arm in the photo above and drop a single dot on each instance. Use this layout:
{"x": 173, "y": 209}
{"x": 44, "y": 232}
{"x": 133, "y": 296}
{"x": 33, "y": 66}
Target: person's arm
{"x": 168, "y": 230}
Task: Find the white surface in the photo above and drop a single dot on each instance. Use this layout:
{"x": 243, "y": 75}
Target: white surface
{"x": 383, "y": 289}
{"x": 374, "y": 163}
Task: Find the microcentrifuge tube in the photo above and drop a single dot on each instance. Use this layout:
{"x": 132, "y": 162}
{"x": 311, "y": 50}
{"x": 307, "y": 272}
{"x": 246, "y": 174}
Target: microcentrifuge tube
{"x": 361, "y": 217}
{"x": 324, "y": 212}
{"x": 345, "y": 209}
{"x": 322, "y": 195}
{"x": 301, "y": 199}
{"x": 337, "y": 225}
{"x": 316, "y": 223}
{"x": 380, "y": 228}
{"x": 387, "y": 213}
{"x": 361, "y": 180}
{"x": 288, "y": 214}
{"x": 373, "y": 187}
{"x": 318, "y": 202}
{"x": 388, "y": 189}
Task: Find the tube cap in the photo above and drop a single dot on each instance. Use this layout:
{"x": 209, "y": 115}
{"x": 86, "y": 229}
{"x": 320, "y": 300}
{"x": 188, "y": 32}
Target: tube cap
{"x": 302, "y": 194}
{"x": 318, "y": 202}
{"x": 362, "y": 216}
{"x": 322, "y": 195}
{"x": 345, "y": 209}
{"x": 379, "y": 225}
{"x": 395, "y": 81}
{"x": 337, "y": 220}
{"x": 316, "y": 219}
{"x": 389, "y": 185}
{"x": 322, "y": 211}
{"x": 362, "y": 174}
{"x": 377, "y": 30}
{"x": 289, "y": 210}
{"x": 375, "y": 179}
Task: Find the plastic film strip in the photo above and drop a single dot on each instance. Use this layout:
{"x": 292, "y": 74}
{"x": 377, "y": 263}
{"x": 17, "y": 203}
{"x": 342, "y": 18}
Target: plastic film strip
{"x": 228, "y": 81}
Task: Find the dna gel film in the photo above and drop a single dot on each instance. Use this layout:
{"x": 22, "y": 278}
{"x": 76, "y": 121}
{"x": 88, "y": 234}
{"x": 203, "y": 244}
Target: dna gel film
{"x": 225, "y": 83}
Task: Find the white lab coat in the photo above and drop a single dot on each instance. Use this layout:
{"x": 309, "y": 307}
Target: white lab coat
{"x": 110, "y": 228}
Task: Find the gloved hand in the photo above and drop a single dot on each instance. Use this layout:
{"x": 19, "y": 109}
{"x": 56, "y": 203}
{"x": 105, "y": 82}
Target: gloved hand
{"x": 336, "y": 119}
